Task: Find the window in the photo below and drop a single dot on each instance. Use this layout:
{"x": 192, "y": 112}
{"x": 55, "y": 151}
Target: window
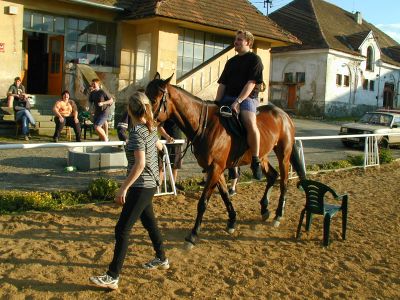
{"x": 288, "y": 77}
{"x": 339, "y": 79}
{"x": 91, "y": 41}
{"x": 372, "y": 85}
{"x": 370, "y": 59}
{"x": 44, "y": 23}
{"x": 300, "y": 77}
{"x": 346, "y": 80}
{"x": 365, "y": 84}
{"x": 195, "y": 47}
{"x": 84, "y": 39}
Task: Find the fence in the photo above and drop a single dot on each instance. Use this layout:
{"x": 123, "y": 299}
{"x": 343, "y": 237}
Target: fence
{"x": 371, "y": 152}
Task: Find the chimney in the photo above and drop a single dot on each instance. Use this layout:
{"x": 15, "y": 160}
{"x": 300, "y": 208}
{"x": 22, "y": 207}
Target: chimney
{"x": 358, "y": 17}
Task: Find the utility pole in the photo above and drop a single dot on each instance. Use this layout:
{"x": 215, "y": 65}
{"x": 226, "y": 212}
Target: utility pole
{"x": 266, "y": 2}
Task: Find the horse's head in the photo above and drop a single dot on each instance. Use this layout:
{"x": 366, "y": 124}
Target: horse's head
{"x": 157, "y": 92}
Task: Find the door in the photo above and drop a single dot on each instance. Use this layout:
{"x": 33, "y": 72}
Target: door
{"x": 291, "y": 96}
{"x": 55, "y": 71}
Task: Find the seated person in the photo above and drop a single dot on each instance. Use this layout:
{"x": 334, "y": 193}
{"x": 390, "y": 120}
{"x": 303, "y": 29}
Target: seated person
{"x": 16, "y": 91}
{"x": 66, "y": 113}
{"x": 22, "y": 114}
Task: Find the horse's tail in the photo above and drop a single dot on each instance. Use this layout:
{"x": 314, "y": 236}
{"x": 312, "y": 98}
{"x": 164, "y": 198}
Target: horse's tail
{"x": 296, "y": 162}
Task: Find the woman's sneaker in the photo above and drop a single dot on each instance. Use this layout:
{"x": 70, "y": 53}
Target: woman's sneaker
{"x": 157, "y": 263}
{"x": 105, "y": 281}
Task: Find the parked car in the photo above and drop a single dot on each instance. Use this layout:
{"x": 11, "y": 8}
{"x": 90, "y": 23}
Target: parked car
{"x": 381, "y": 121}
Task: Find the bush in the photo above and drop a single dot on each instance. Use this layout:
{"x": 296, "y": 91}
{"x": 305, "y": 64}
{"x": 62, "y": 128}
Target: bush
{"x": 385, "y": 156}
{"x": 15, "y": 201}
{"x": 102, "y": 189}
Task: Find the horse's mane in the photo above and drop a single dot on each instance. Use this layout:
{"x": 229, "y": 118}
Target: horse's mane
{"x": 191, "y": 95}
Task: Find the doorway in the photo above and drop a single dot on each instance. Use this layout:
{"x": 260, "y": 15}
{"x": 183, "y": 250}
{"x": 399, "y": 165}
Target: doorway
{"x": 388, "y": 92}
{"x": 37, "y": 63}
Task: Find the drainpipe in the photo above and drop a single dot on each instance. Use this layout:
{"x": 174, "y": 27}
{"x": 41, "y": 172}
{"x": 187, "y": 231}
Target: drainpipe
{"x": 98, "y": 5}
{"x": 378, "y": 63}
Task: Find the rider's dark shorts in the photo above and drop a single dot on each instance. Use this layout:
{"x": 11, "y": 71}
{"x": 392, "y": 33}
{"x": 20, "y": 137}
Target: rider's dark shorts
{"x": 249, "y": 104}
{"x": 174, "y": 154}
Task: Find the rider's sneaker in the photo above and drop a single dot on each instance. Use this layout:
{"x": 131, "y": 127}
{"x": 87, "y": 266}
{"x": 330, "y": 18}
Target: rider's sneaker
{"x": 105, "y": 281}
{"x": 157, "y": 263}
{"x": 232, "y": 192}
{"x": 256, "y": 168}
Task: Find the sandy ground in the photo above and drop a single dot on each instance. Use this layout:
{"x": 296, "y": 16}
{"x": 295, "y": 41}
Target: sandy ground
{"x": 51, "y": 255}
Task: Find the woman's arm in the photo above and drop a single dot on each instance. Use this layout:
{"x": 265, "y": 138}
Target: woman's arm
{"x": 137, "y": 169}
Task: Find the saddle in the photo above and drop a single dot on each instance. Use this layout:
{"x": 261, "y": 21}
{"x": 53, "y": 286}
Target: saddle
{"x": 232, "y": 124}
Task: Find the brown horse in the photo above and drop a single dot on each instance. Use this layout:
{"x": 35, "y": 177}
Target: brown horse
{"x": 216, "y": 149}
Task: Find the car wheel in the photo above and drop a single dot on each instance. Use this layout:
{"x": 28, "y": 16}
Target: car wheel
{"x": 384, "y": 143}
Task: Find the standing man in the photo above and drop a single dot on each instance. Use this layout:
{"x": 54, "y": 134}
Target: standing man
{"x": 238, "y": 87}
{"x": 16, "y": 91}
{"x": 101, "y": 103}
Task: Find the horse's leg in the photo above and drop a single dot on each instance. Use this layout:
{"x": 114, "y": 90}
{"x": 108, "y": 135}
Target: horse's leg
{"x": 271, "y": 175}
{"x": 223, "y": 191}
{"x": 211, "y": 182}
{"x": 283, "y": 153}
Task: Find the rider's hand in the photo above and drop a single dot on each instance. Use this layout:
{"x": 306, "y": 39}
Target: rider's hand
{"x": 236, "y": 106}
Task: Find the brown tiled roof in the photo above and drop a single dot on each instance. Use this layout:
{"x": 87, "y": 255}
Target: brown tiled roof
{"x": 230, "y": 15}
{"x": 319, "y": 24}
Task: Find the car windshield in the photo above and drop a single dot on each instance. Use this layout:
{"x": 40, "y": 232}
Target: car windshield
{"x": 376, "y": 118}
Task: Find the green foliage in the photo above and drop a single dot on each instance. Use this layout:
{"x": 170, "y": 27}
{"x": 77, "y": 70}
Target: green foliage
{"x": 102, "y": 189}
{"x": 385, "y": 156}
{"x": 356, "y": 160}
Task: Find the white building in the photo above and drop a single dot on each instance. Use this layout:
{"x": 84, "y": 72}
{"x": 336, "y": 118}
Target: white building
{"x": 345, "y": 65}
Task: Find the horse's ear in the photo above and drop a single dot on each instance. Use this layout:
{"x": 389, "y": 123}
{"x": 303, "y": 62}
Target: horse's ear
{"x": 157, "y": 76}
{"x": 166, "y": 81}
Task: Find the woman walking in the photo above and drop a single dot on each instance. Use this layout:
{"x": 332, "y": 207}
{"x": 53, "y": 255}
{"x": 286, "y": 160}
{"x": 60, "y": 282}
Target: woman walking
{"x": 137, "y": 191}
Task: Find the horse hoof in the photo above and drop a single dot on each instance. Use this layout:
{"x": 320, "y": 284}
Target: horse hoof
{"x": 265, "y": 216}
{"x": 276, "y": 223}
{"x": 188, "y": 246}
{"x": 231, "y": 230}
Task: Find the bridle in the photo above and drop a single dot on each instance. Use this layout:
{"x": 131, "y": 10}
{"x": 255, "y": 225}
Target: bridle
{"x": 199, "y": 133}
{"x": 163, "y": 103}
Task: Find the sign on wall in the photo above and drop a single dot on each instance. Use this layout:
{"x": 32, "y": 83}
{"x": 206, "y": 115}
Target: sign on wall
{"x": 2, "y": 47}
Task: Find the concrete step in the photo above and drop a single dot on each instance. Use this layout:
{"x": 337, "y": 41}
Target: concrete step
{"x": 37, "y": 117}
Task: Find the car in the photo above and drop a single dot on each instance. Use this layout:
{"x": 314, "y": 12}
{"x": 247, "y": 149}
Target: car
{"x": 379, "y": 122}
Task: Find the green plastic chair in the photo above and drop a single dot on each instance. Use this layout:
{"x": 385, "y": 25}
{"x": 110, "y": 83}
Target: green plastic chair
{"x": 315, "y": 205}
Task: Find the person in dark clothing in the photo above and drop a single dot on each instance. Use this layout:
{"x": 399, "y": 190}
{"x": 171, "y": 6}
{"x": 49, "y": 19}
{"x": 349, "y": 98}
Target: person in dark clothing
{"x": 170, "y": 132}
{"x": 123, "y": 127}
{"x": 238, "y": 88}
{"x": 66, "y": 113}
{"x": 137, "y": 191}
{"x": 101, "y": 103}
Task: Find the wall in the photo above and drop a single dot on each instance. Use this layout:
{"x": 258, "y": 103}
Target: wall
{"x": 11, "y": 36}
{"x": 263, "y": 50}
{"x": 311, "y": 94}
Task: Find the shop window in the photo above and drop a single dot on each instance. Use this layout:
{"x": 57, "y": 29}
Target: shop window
{"x": 35, "y": 21}
{"x": 346, "y": 80}
{"x": 339, "y": 79}
{"x": 196, "y": 47}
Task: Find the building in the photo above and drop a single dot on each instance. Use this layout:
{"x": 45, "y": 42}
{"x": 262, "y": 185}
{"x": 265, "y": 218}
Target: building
{"x": 57, "y": 44}
{"x": 344, "y": 66}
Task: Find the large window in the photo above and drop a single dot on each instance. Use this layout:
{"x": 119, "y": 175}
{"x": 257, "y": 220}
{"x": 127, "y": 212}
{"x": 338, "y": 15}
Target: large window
{"x": 87, "y": 41}
{"x": 195, "y": 47}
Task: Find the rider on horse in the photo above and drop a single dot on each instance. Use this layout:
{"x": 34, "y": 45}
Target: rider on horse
{"x": 238, "y": 88}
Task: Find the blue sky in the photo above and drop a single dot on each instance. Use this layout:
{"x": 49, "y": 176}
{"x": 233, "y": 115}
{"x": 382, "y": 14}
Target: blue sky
{"x": 384, "y": 14}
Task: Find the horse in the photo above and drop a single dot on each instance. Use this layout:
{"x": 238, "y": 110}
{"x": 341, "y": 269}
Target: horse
{"x": 216, "y": 149}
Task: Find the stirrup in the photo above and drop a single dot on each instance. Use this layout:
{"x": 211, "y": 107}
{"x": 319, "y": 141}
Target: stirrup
{"x": 225, "y": 111}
